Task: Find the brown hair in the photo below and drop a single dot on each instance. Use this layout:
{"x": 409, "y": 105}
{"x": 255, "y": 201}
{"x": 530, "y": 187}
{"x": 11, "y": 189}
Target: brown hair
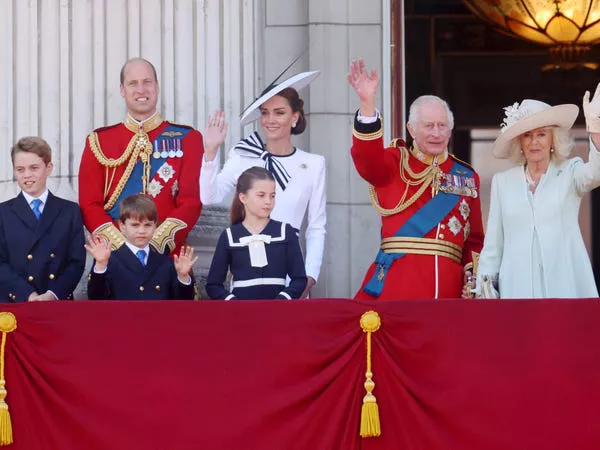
{"x": 32, "y": 144}
{"x": 297, "y": 105}
{"x": 244, "y": 184}
{"x": 122, "y": 74}
{"x": 138, "y": 206}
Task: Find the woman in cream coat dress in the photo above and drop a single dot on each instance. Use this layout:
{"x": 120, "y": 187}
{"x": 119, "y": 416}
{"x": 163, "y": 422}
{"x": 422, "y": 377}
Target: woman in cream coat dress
{"x": 533, "y": 245}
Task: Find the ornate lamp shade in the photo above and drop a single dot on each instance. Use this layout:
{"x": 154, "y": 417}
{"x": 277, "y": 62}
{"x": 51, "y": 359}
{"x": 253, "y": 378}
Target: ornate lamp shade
{"x": 568, "y": 27}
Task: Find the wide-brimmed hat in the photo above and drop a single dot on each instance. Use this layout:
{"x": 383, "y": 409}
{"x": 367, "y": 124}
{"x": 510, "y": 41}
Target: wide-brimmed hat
{"x": 297, "y": 82}
{"x": 529, "y": 115}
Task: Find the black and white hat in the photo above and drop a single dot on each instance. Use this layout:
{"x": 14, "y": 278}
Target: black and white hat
{"x": 298, "y": 81}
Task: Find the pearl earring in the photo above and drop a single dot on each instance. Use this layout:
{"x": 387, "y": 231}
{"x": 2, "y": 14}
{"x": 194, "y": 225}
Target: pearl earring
{"x": 294, "y": 125}
{"x": 551, "y": 149}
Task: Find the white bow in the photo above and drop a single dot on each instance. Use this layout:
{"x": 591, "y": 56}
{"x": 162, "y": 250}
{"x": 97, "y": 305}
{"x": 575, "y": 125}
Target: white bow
{"x": 256, "y": 246}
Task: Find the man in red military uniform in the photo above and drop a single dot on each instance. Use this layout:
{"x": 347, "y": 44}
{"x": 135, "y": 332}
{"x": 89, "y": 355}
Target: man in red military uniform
{"x": 429, "y": 200}
{"x": 143, "y": 154}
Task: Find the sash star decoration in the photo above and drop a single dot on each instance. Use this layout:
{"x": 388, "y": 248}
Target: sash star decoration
{"x": 253, "y": 147}
{"x": 154, "y": 188}
{"x": 166, "y": 172}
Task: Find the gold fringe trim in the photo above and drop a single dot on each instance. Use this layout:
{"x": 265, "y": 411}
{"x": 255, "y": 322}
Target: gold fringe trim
{"x": 164, "y": 236}
{"x": 369, "y": 418}
{"x": 112, "y": 234}
{"x": 8, "y": 324}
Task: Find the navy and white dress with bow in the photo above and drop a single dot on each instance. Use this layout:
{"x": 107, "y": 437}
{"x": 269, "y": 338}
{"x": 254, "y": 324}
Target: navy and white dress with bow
{"x": 300, "y": 189}
{"x": 259, "y": 264}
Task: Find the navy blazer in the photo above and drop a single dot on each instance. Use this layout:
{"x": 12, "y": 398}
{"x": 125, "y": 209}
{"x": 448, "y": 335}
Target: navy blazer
{"x": 37, "y": 256}
{"x": 126, "y": 278}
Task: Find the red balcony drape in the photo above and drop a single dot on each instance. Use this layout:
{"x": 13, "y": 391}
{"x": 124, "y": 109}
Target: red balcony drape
{"x": 491, "y": 375}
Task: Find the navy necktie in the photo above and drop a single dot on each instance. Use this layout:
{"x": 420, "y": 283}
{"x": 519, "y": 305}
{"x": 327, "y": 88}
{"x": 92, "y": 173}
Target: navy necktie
{"x": 35, "y": 207}
{"x": 141, "y": 254}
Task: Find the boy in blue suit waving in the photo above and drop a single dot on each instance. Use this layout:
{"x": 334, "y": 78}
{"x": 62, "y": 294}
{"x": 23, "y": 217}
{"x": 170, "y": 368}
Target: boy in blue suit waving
{"x": 41, "y": 235}
{"x": 133, "y": 271}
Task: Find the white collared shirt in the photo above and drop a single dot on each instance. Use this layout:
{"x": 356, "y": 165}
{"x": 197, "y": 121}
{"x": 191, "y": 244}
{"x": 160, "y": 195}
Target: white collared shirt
{"x": 43, "y": 198}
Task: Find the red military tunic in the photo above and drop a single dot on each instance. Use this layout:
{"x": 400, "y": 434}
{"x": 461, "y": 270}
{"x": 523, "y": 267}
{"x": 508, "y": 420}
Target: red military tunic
{"x": 105, "y": 167}
{"x": 431, "y": 274}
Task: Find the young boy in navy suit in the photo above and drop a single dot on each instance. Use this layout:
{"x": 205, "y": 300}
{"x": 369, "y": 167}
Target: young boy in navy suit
{"x": 133, "y": 271}
{"x": 41, "y": 235}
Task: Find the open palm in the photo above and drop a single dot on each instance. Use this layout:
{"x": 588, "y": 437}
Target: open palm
{"x": 214, "y": 134}
{"x": 365, "y": 84}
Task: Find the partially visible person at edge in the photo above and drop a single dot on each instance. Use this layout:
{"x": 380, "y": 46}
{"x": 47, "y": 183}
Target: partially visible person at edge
{"x": 143, "y": 154}
{"x": 259, "y": 252}
{"x": 533, "y": 247}
{"x": 428, "y": 200}
{"x": 299, "y": 175}
{"x": 41, "y": 235}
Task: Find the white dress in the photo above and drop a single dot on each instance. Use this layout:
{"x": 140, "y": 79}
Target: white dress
{"x": 305, "y": 192}
{"x": 533, "y": 243}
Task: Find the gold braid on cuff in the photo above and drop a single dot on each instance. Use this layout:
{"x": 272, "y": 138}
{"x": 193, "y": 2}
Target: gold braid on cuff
{"x": 164, "y": 236}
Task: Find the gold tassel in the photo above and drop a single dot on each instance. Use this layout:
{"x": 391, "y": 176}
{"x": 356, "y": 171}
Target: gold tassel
{"x": 369, "y": 416}
{"x": 8, "y": 323}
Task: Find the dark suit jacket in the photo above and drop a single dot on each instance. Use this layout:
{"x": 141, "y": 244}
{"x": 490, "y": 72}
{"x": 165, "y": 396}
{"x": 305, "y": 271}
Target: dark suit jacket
{"x": 37, "y": 256}
{"x": 127, "y": 279}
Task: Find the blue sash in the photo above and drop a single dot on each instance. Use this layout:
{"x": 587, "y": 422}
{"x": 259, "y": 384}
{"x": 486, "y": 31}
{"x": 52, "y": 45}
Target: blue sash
{"x": 166, "y": 140}
{"x": 418, "y": 225}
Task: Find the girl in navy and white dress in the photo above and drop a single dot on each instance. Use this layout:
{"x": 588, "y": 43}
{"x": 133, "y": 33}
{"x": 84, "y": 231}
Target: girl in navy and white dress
{"x": 258, "y": 251}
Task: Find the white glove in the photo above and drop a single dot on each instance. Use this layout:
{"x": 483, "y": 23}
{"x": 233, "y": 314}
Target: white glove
{"x": 591, "y": 111}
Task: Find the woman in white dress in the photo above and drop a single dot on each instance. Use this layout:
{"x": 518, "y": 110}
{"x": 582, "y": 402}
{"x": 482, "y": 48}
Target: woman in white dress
{"x": 533, "y": 246}
{"x": 299, "y": 175}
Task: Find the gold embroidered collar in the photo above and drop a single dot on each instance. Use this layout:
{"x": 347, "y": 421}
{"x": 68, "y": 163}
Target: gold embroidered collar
{"x": 151, "y": 123}
{"x": 428, "y": 159}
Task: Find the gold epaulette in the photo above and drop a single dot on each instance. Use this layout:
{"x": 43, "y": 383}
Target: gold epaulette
{"x": 164, "y": 236}
{"x": 109, "y": 232}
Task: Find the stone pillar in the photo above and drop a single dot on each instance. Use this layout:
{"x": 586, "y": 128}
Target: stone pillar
{"x": 339, "y": 31}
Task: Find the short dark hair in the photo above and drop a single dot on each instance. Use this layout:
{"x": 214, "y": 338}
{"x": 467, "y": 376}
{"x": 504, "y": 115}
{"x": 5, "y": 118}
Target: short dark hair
{"x": 122, "y": 74}
{"x": 32, "y": 144}
{"x": 138, "y": 206}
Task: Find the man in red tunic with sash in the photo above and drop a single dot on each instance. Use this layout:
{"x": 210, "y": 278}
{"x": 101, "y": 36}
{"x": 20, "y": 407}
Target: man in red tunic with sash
{"x": 143, "y": 154}
{"x": 428, "y": 200}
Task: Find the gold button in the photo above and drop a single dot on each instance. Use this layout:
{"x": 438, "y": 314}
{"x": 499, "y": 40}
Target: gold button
{"x": 29, "y": 257}
{"x": 52, "y": 255}
{"x": 141, "y": 288}
{"x": 441, "y": 235}
{"x": 157, "y": 287}
{"x": 51, "y": 276}
{"x": 10, "y": 296}
{"x": 30, "y": 278}
{"x": 443, "y": 227}
{"x": 14, "y": 297}
{"x": 89, "y": 277}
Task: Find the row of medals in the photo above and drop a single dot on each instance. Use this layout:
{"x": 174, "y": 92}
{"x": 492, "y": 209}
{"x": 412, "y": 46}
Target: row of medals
{"x": 170, "y": 153}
